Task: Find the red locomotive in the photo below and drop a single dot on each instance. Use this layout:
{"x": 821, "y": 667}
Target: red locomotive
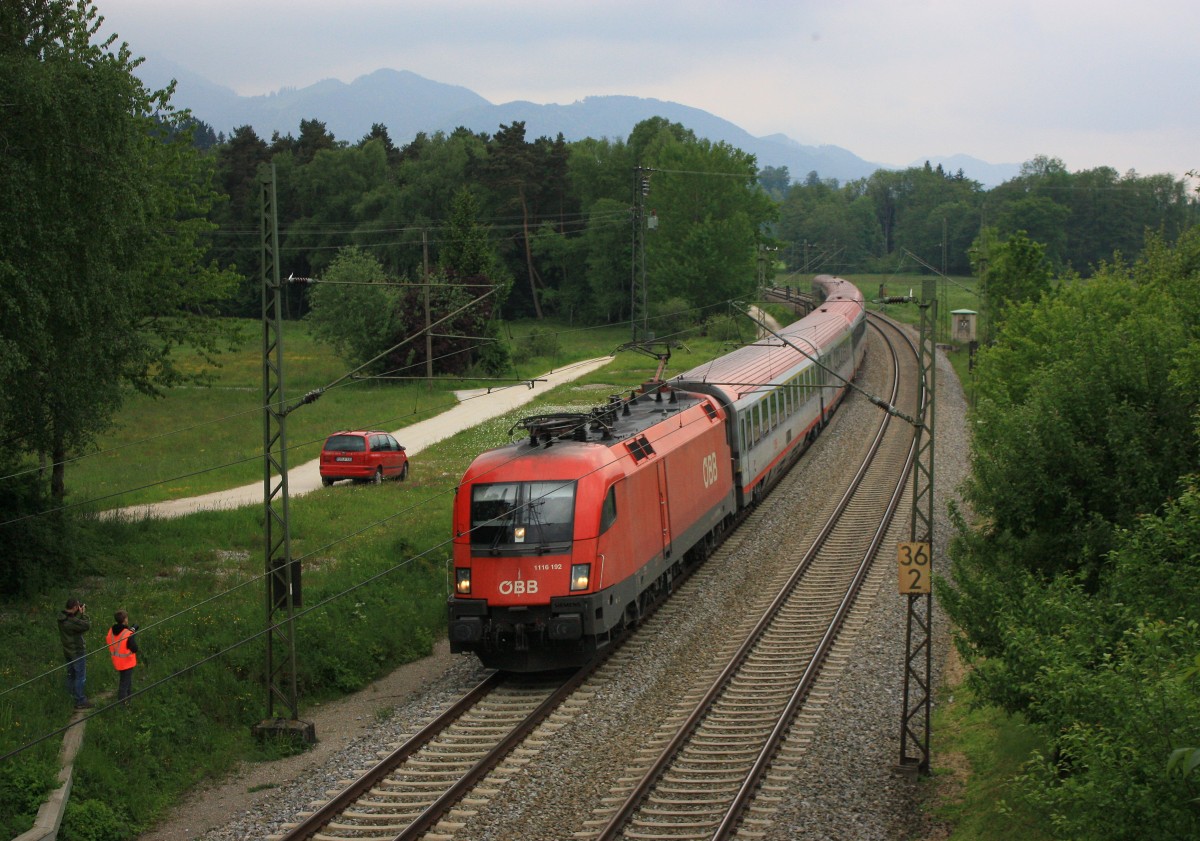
{"x": 562, "y": 539}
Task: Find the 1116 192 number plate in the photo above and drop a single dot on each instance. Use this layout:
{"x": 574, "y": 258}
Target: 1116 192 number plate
{"x": 343, "y": 458}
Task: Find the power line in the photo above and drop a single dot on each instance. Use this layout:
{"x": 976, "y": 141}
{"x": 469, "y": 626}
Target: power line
{"x": 297, "y": 615}
{"x": 258, "y": 409}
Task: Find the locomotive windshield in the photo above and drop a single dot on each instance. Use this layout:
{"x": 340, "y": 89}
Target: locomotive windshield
{"x": 515, "y": 515}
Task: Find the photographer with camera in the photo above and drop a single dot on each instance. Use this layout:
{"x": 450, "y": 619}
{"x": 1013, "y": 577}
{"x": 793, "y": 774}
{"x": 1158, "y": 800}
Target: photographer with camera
{"x": 73, "y": 623}
{"x": 122, "y": 645}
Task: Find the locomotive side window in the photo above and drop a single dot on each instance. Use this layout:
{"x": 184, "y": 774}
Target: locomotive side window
{"x": 507, "y": 515}
{"x": 608, "y": 511}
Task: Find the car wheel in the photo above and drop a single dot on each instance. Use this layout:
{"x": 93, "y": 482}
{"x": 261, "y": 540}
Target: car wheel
{"x": 326, "y": 481}
{"x": 403, "y": 472}
{"x": 378, "y": 477}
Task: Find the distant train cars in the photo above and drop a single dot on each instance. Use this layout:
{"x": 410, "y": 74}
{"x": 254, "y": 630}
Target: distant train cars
{"x": 564, "y": 538}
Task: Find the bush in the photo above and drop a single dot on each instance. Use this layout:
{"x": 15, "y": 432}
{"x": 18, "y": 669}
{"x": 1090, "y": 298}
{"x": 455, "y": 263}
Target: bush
{"x": 94, "y": 820}
{"x": 539, "y": 343}
{"x": 672, "y": 316}
{"x": 23, "y": 787}
{"x": 728, "y": 328}
{"x": 494, "y": 358}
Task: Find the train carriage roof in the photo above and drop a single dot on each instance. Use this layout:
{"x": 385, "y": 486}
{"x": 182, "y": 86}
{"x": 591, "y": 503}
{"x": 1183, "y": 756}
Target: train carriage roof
{"x": 770, "y": 359}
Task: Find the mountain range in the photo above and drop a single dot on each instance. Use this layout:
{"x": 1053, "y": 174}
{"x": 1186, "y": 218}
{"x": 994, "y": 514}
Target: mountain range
{"x": 407, "y": 104}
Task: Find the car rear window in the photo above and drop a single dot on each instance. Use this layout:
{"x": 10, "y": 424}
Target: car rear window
{"x": 346, "y": 444}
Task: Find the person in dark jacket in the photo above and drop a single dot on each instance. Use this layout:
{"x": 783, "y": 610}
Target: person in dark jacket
{"x": 73, "y": 623}
{"x": 122, "y": 645}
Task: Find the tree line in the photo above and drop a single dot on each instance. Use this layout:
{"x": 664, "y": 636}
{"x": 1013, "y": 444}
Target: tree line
{"x": 1076, "y": 585}
{"x": 872, "y": 224}
{"x": 560, "y": 212}
{"x": 559, "y": 215}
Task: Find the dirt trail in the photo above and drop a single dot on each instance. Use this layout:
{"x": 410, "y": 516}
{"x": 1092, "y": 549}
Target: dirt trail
{"x": 474, "y": 407}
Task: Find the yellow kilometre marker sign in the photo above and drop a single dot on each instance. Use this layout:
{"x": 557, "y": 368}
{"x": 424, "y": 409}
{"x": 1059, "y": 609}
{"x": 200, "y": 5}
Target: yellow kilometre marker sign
{"x": 915, "y": 564}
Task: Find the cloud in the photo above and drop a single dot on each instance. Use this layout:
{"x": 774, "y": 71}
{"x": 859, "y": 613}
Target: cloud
{"x": 1091, "y": 83}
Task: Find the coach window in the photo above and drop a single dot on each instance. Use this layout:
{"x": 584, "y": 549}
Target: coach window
{"x": 608, "y": 511}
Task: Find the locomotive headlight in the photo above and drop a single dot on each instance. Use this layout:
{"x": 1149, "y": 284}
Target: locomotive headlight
{"x": 580, "y": 574}
{"x": 518, "y": 534}
{"x": 462, "y": 580}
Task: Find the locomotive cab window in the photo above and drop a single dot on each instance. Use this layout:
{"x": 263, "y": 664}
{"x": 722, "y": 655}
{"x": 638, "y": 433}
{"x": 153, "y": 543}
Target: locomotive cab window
{"x": 522, "y": 515}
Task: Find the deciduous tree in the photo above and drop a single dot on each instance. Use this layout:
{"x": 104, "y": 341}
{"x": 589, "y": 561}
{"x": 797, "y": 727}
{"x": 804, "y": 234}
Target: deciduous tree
{"x": 102, "y": 205}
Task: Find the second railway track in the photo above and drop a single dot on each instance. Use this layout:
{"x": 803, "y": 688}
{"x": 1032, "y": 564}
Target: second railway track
{"x": 706, "y": 774}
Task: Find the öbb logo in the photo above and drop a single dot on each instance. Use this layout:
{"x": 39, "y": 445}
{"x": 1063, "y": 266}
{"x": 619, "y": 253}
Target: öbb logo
{"x": 708, "y": 470}
{"x": 518, "y": 587}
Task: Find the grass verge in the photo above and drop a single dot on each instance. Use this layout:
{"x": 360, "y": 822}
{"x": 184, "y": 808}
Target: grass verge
{"x": 976, "y": 752}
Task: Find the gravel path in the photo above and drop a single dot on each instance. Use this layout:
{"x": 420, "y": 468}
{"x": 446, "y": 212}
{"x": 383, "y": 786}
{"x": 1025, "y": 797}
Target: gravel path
{"x": 845, "y": 788}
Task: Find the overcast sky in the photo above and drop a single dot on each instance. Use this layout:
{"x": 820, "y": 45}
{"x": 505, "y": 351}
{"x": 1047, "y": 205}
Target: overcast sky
{"x": 1092, "y": 82}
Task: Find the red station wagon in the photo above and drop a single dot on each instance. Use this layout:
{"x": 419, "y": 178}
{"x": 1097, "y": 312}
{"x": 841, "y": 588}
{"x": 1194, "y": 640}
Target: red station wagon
{"x": 364, "y": 456}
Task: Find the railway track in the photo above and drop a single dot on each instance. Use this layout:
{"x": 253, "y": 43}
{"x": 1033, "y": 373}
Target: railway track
{"x": 436, "y": 782}
{"x": 428, "y": 773}
{"x": 704, "y": 778}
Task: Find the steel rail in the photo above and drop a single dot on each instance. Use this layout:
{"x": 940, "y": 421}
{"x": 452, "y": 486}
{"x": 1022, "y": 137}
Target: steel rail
{"x": 317, "y": 821}
{"x": 687, "y": 729}
{"x": 746, "y": 792}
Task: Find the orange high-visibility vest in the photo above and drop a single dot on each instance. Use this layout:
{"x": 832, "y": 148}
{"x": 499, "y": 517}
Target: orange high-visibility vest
{"x": 118, "y": 647}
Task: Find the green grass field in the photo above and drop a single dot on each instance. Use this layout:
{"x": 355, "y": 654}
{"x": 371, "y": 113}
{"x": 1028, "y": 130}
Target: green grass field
{"x": 976, "y": 752}
{"x": 196, "y": 440}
